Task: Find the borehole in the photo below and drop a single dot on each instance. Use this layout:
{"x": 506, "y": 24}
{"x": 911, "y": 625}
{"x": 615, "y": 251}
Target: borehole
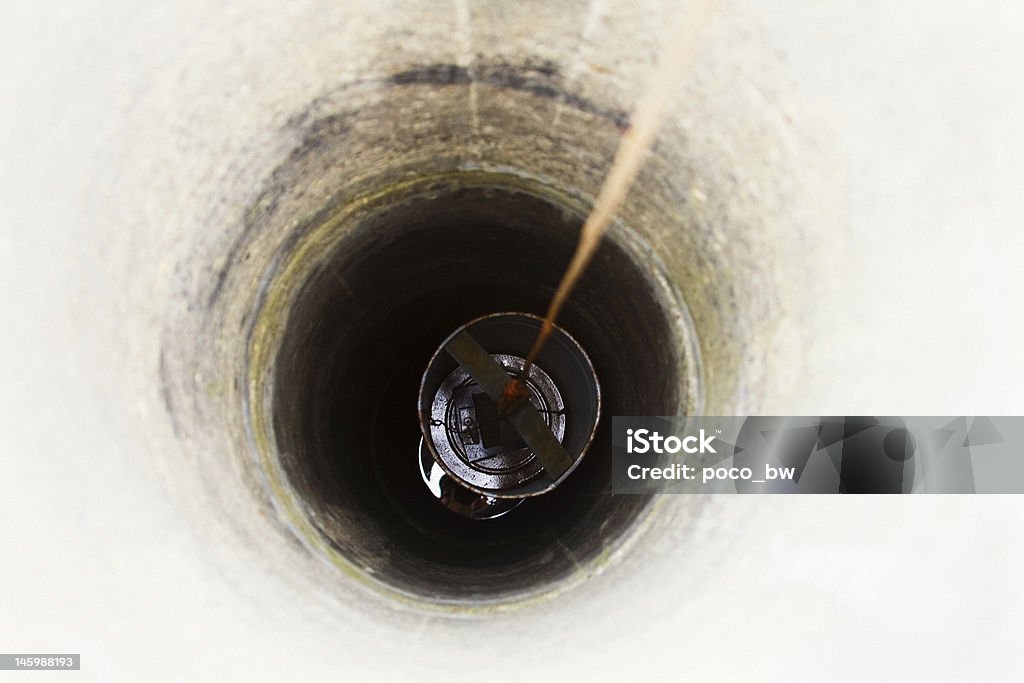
{"x": 367, "y": 311}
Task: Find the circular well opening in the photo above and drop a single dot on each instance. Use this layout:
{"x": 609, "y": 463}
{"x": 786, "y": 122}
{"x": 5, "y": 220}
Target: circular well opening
{"x": 366, "y": 314}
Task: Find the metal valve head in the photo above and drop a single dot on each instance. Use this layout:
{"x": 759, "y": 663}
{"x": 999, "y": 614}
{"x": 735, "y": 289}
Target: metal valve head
{"x": 520, "y": 453}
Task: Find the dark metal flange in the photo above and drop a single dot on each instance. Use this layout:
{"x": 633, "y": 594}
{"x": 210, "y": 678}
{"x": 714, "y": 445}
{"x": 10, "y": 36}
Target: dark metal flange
{"x": 533, "y": 446}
